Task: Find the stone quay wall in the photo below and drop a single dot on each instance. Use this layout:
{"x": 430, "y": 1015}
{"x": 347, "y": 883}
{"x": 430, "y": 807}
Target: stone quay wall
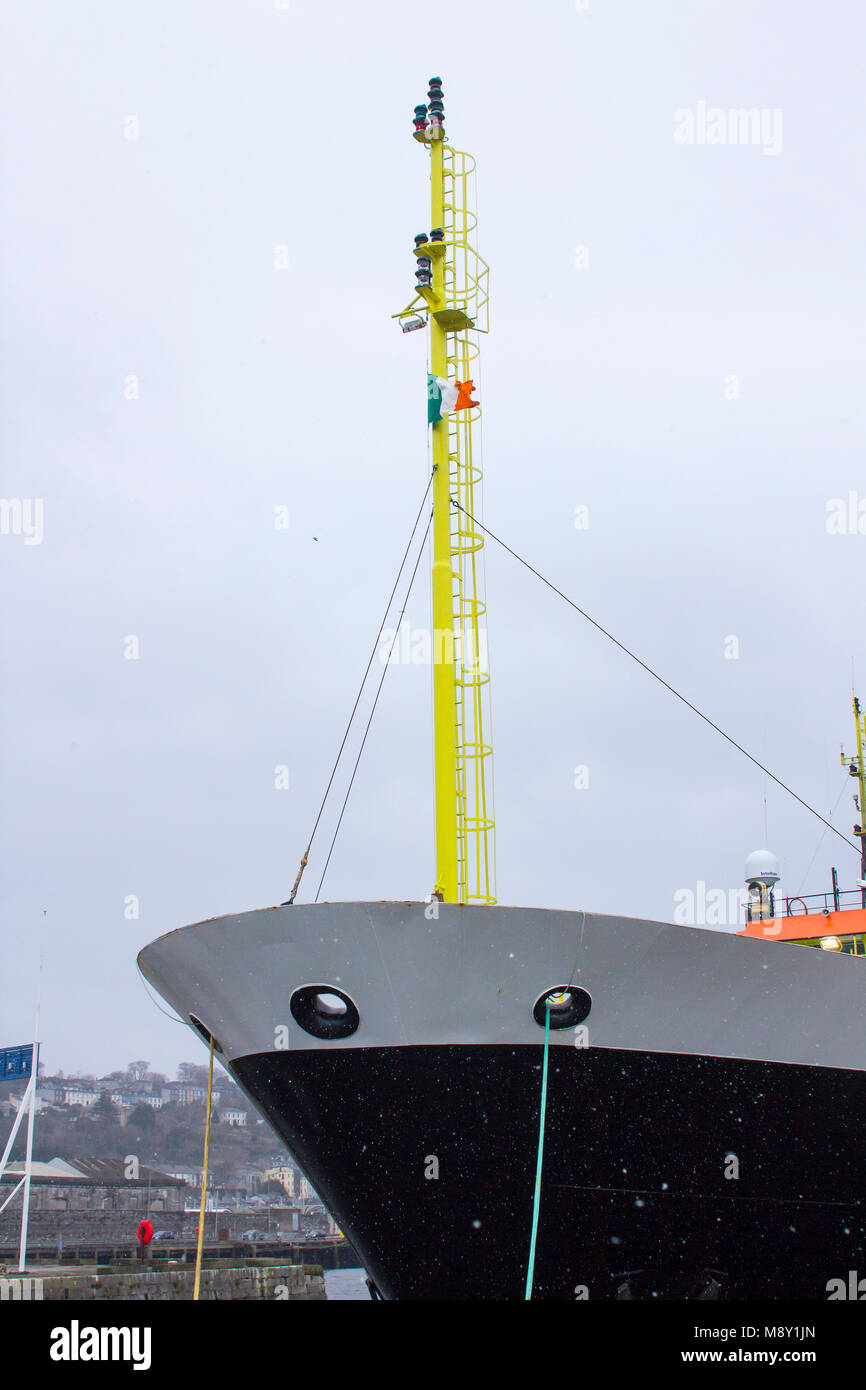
{"x": 47, "y": 1228}
{"x": 272, "y": 1281}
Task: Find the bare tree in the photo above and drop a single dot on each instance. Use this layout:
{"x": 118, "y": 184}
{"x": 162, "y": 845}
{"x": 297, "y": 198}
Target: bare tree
{"x": 192, "y": 1074}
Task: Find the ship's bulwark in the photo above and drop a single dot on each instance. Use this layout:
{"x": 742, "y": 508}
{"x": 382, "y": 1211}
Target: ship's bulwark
{"x": 706, "y": 1056}
{"x": 635, "y": 1158}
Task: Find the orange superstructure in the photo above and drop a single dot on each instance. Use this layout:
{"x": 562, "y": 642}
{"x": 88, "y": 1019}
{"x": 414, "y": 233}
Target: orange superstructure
{"x": 810, "y": 928}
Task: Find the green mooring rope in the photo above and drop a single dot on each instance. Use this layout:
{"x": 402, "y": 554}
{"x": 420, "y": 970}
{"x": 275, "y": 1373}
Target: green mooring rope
{"x": 537, "y": 1198}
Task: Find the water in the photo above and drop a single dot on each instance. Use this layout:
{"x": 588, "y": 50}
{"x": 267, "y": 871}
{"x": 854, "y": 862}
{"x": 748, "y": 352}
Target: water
{"x": 345, "y": 1284}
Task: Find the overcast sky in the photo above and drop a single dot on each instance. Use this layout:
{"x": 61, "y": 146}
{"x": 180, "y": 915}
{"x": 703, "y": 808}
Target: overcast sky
{"x": 677, "y": 344}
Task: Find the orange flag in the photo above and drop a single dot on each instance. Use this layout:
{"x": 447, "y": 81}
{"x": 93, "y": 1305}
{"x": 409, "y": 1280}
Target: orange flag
{"x": 464, "y": 395}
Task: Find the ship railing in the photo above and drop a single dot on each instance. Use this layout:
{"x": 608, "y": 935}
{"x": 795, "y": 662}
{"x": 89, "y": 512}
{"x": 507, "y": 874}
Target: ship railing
{"x": 837, "y": 900}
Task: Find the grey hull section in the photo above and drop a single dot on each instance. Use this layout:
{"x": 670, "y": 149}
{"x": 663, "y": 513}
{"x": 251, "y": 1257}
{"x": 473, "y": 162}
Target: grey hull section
{"x": 472, "y": 976}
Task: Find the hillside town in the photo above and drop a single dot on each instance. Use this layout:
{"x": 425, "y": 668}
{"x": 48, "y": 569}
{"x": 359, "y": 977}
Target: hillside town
{"x": 110, "y": 1150}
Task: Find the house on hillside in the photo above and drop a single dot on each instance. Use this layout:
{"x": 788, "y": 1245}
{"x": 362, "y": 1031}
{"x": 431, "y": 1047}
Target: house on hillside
{"x": 234, "y": 1117}
{"x": 80, "y": 1093}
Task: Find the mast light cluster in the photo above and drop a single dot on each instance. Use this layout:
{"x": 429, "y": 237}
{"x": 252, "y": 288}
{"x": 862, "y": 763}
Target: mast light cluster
{"x": 424, "y": 273}
{"x": 425, "y": 249}
{"x": 429, "y": 120}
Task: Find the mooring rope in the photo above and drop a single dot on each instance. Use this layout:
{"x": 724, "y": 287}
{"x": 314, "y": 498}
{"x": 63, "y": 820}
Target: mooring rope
{"x": 536, "y": 1201}
{"x": 201, "y": 1209}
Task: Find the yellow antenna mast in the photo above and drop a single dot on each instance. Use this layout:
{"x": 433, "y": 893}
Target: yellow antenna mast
{"x": 452, "y": 289}
{"x": 857, "y": 769}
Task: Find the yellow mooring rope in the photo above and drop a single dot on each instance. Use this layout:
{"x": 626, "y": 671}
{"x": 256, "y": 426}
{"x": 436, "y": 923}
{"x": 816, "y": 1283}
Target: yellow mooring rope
{"x": 204, "y": 1176}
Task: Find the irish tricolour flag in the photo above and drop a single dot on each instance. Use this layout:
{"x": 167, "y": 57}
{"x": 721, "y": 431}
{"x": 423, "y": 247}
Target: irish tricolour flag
{"x": 444, "y": 397}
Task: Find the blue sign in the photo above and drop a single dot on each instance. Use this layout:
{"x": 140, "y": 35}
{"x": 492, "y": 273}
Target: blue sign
{"x": 16, "y": 1062}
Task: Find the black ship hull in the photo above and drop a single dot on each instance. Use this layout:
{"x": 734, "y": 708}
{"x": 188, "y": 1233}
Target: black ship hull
{"x": 635, "y": 1201}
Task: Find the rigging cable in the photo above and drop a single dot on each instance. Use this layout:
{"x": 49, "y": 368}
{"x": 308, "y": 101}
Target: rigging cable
{"x": 536, "y": 1200}
{"x": 655, "y": 675}
{"x": 306, "y": 854}
{"x": 375, "y": 703}
{"x": 150, "y": 996}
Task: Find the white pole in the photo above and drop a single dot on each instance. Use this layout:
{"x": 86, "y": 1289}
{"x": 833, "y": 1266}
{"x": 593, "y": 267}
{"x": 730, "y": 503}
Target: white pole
{"x": 34, "y": 1077}
{"x": 18, "y": 1118}
{"x": 17, "y": 1188}
{"x": 25, "y": 1211}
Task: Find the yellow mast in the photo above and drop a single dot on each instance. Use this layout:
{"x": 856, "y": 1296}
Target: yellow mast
{"x": 452, "y": 290}
{"x": 444, "y": 695}
{"x": 857, "y": 769}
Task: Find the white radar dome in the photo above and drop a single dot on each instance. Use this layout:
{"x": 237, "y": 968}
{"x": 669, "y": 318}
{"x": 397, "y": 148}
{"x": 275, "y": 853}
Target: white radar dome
{"x": 762, "y": 867}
